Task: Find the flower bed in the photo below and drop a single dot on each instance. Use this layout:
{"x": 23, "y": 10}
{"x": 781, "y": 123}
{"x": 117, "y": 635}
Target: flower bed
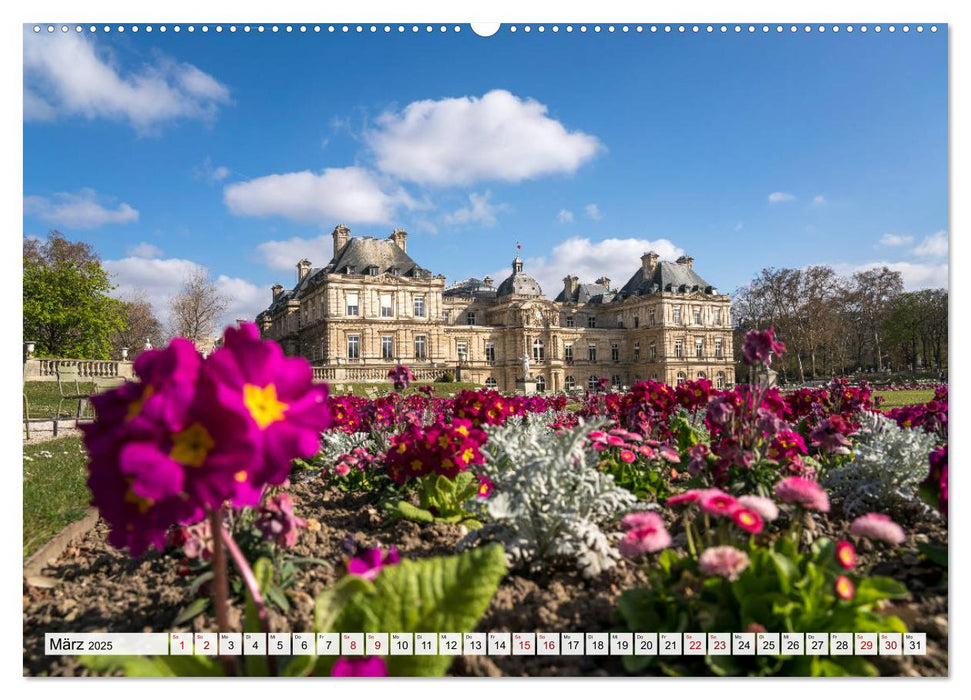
{"x": 664, "y": 509}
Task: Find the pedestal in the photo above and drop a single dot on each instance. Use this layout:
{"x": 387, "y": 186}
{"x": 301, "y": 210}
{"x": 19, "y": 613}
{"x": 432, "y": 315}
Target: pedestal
{"x": 526, "y": 386}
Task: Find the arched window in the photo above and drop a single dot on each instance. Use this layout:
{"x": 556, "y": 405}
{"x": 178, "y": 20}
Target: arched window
{"x": 720, "y": 380}
{"x": 593, "y": 382}
{"x": 701, "y": 375}
{"x": 615, "y": 381}
{"x": 540, "y": 383}
{"x": 491, "y": 383}
{"x": 681, "y": 377}
{"x": 570, "y": 382}
{"x": 538, "y": 353}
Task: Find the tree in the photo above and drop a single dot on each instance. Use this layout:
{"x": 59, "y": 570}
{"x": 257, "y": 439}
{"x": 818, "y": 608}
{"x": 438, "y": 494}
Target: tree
{"x": 197, "y": 308}
{"x": 67, "y": 310}
{"x": 140, "y": 323}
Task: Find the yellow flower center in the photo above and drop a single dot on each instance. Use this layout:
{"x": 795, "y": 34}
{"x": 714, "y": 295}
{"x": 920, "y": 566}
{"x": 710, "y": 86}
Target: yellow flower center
{"x": 240, "y": 476}
{"x": 462, "y": 430}
{"x": 191, "y": 446}
{"x": 468, "y": 454}
{"x": 144, "y": 504}
{"x": 263, "y": 404}
{"x": 135, "y": 407}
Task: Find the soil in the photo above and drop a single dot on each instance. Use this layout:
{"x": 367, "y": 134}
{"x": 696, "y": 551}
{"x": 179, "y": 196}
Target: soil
{"x": 98, "y": 589}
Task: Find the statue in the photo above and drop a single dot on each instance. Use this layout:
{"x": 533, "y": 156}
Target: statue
{"x": 525, "y": 364}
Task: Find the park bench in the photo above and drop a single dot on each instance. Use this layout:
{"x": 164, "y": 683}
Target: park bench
{"x": 69, "y": 387}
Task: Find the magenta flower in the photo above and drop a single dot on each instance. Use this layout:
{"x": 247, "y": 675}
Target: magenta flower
{"x": 685, "y": 498}
{"x": 369, "y": 563}
{"x": 765, "y": 507}
{"x": 284, "y": 410}
{"x": 401, "y": 377}
{"x": 198, "y": 541}
{"x": 760, "y": 346}
{"x": 699, "y": 458}
{"x": 727, "y": 562}
{"x": 844, "y": 587}
{"x": 830, "y": 435}
{"x": 802, "y": 492}
{"x": 627, "y": 456}
{"x": 277, "y": 521}
{"x": 359, "y": 666}
{"x": 845, "y": 554}
{"x": 748, "y": 520}
{"x": 876, "y": 526}
{"x": 485, "y": 487}
{"x": 716, "y": 502}
{"x": 645, "y": 533}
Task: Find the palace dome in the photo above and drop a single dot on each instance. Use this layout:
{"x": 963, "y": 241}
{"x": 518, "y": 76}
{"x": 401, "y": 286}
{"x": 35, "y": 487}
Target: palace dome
{"x": 519, "y": 283}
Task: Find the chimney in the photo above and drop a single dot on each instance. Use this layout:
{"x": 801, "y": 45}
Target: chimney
{"x": 649, "y": 264}
{"x": 686, "y": 260}
{"x": 488, "y": 281}
{"x": 605, "y": 281}
{"x": 341, "y": 235}
{"x": 400, "y": 239}
{"x": 303, "y": 269}
{"x": 277, "y": 290}
{"x": 570, "y": 283}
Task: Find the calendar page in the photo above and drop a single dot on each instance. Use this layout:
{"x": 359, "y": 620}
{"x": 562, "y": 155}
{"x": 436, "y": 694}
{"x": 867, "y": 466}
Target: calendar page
{"x": 379, "y": 348}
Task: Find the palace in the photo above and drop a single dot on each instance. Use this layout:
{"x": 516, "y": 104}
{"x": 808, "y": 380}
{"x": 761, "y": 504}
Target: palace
{"x": 372, "y": 307}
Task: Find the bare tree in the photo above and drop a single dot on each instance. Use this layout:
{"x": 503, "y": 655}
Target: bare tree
{"x": 140, "y": 323}
{"x": 197, "y": 308}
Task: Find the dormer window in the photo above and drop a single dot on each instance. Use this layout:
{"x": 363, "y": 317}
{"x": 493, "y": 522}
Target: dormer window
{"x": 372, "y": 270}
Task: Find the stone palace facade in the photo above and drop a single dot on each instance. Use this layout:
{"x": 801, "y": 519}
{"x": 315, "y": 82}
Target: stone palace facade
{"x": 372, "y": 307}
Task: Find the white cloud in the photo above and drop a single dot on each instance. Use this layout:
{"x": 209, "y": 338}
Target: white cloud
{"x": 161, "y": 279}
{"x": 352, "y": 195}
{"x": 565, "y": 216}
{"x": 934, "y": 246}
{"x": 283, "y": 255}
{"x": 69, "y": 75}
{"x": 819, "y": 200}
{"x": 593, "y": 212}
{"x": 210, "y": 172}
{"x": 77, "y": 210}
{"x": 915, "y": 275}
{"x": 479, "y": 211}
{"x": 462, "y": 140}
{"x": 891, "y": 239}
{"x": 777, "y": 197}
{"x": 617, "y": 258}
{"x": 144, "y": 250}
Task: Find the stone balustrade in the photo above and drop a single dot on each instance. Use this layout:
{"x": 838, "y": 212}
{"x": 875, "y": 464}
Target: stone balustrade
{"x": 44, "y": 369}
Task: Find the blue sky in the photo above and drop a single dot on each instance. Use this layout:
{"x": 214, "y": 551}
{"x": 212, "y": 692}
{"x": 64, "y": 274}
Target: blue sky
{"x": 241, "y": 152}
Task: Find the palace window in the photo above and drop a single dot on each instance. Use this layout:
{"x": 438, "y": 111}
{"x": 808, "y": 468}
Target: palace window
{"x": 615, "y": 381}
{"x": 353, "y": 347}
{"x": 569, "y": 382}
{"x": 592, "y": 352}
{"x": 720, "y": 380}
{"x": 568, "y": 352}
{"x": 699, "y": 347}
{"x": 491, "y": 383}
{"x": 615, "y": 352}
{"x": 470, "y": 318}
{"x": 679, "y": 348}
{"x": 652, "y": 350}
{"x": 676, "y": 315}
{"x": 681, "y": 377}
{"x": 718, "y": 316}
{"x": 387, "y": 347}
{"x": 620, "y": 320}
{"x": 718, "y": 347}
{"x": 462, "y": 348}
{"x": 593, "y": 382}
{"x": 637, "y": 322}
{"x": 701, "y": 375}
{"x": 352, "y": 304}
{"x": 540, "y": 383}
{"x": 591, "y": 321}
{"x": 421, "y": 351}
{"x": 697, "y": 313}
{"x": 446, "y": 315}
{"x": 651, "y": 318}
{"x": 637, "y": 352}
{"x": 490, "y": 352}
{"x": 385, "y": 306}
{"x": 538, "y": 350}
{"x": 570, "y": 323}
{"x": 419, "y": 307}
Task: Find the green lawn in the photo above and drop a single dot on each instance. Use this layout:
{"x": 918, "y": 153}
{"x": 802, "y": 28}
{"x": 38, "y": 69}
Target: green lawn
{"x": 55, "y": 489}
{"x": 43, "y": 398}
{"x": 904, "y": 397}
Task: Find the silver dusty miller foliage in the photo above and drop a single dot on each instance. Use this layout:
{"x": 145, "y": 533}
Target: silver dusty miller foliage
{"x": 549, "y": 501}
{"x": 888, "y": 464}
{"x": 335, "y": 443}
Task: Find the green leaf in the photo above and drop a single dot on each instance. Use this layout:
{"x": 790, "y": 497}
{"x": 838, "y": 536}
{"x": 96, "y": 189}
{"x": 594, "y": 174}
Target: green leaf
{"x": 330, "y": 602}
{"x": 198, "y": 581}
{"x": 157, "y": 666}
{"x": 443, "y": 594}
{"x": 196, "y": 607}
{"x": 877, "y": 588}
{"x": 409, "y": 512}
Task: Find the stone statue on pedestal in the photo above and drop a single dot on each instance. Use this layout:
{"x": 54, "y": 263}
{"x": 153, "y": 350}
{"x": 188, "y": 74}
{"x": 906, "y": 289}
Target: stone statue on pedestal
{"x": 525, "y": 365}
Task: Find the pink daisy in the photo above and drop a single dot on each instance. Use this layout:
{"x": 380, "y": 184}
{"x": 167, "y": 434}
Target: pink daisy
{"x": 645, "y": 533}
{"x": 718, "y": 503}
{"x": 802, "y": 492}
{"x": 765, "y": 507}
{"x": 877, "y": 527}
{"x": 727, "y": 562}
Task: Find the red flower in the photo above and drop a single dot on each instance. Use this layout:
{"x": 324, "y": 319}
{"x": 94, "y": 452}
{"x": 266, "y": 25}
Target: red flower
{"x": 845, "y": 554}
{"x": 844, "y": 587}
{"x": 748, "y": 520}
